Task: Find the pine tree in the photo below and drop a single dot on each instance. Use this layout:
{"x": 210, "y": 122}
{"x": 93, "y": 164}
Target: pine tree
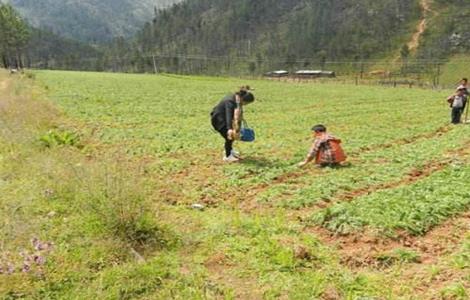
{"x": 14, "y": 35}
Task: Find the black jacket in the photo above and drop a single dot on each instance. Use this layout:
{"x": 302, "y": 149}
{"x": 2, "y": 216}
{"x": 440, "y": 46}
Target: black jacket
{"x": 222, "y": 114}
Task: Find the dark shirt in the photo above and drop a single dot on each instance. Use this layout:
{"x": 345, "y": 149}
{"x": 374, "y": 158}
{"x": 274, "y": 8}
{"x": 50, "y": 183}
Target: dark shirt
{"x": 222, "y": 114}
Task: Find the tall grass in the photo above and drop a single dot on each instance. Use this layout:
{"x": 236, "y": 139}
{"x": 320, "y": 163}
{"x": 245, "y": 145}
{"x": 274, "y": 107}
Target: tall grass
{"x": 93, "y": 209}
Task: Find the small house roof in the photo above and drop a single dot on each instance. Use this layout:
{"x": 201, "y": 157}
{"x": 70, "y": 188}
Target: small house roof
{"x": 309, "y": 72}
{"x": 280, "y": 72}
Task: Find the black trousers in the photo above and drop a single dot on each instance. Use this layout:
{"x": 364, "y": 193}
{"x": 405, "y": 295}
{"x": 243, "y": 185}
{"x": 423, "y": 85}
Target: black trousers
{"x": 223, "y": 132}
{"x": 456, "y": 115}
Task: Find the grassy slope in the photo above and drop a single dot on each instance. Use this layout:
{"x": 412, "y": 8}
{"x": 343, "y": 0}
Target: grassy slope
{"x": 457, "y": 68}
{"x": 124, "y": 188}
{"x": 437, "y": 17}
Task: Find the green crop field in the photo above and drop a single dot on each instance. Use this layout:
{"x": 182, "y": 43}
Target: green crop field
{"x": 99, "y": 173}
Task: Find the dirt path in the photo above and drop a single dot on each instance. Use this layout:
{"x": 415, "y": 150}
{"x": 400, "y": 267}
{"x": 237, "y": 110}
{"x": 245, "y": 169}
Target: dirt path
{"x": 4, "y": 82}
{"x": 413, "y": 44}
{"x": 3, "y": 85}
{"x": 5, "y": 93}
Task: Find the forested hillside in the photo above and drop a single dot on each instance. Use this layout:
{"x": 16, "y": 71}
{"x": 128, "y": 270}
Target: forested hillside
{"x": 46, "y": 49}
{"x": 448, "y": 32}
{"x": 243, "y": 36}
{"x": 283, "y": 29}
{"x": 26, "y": 46}
{"x": 89, "y": 20}
{"x": 221, "y": 36}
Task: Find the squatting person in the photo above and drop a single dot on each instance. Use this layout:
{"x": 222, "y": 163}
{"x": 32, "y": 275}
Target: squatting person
{"x": 326, "y": 149}
{"x": 226, "y": 118}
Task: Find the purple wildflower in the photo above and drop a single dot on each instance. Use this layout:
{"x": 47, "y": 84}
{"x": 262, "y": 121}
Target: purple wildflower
{"x": 10, "y": 269}
{"x": 26, "y": 268}
{"x": 39, "y": 246}
{"x": 39, "y": 260}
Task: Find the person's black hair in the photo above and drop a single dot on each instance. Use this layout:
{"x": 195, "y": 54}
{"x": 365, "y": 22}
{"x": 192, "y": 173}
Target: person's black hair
{"x": 246, "y": 96}
{"x": 319, "y": 128}
{"x": 465, "y": 79}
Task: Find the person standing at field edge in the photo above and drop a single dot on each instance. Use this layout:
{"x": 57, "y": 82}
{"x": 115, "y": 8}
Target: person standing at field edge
{"x": 326, "y": 149}
{"x": 226, "y": 118}
{"x": 457, "y": 102}
{"x": 464, "y": 83}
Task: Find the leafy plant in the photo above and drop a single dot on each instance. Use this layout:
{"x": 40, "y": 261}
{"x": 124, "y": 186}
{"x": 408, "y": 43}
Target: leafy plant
{"x": 456, "y": 291}
{"x": 397, "y": 256}
{"x": 55, "y": 138}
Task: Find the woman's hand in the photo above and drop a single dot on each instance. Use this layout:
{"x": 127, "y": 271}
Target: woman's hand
{"x": 231, "y": 134}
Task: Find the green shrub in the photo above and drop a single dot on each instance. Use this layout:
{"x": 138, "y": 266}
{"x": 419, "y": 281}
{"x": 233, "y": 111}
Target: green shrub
{"x": 455, "y": 291}
{"x": 120, "y": 205}
{"x": 30, "y": 75}
{"x": 398, "y": 256}
{"x": 141, "y": 230}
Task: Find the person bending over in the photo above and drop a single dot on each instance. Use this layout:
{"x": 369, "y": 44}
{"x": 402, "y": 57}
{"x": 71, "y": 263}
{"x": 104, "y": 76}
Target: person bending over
{"x": 226, "y": 118}
{"x": 326, "y": 149}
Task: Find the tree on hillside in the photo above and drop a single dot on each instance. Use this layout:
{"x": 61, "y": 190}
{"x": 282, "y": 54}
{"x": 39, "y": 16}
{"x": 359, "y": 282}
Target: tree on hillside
{"x": 404, "y": 54}
{"x": 14, "y": 35}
